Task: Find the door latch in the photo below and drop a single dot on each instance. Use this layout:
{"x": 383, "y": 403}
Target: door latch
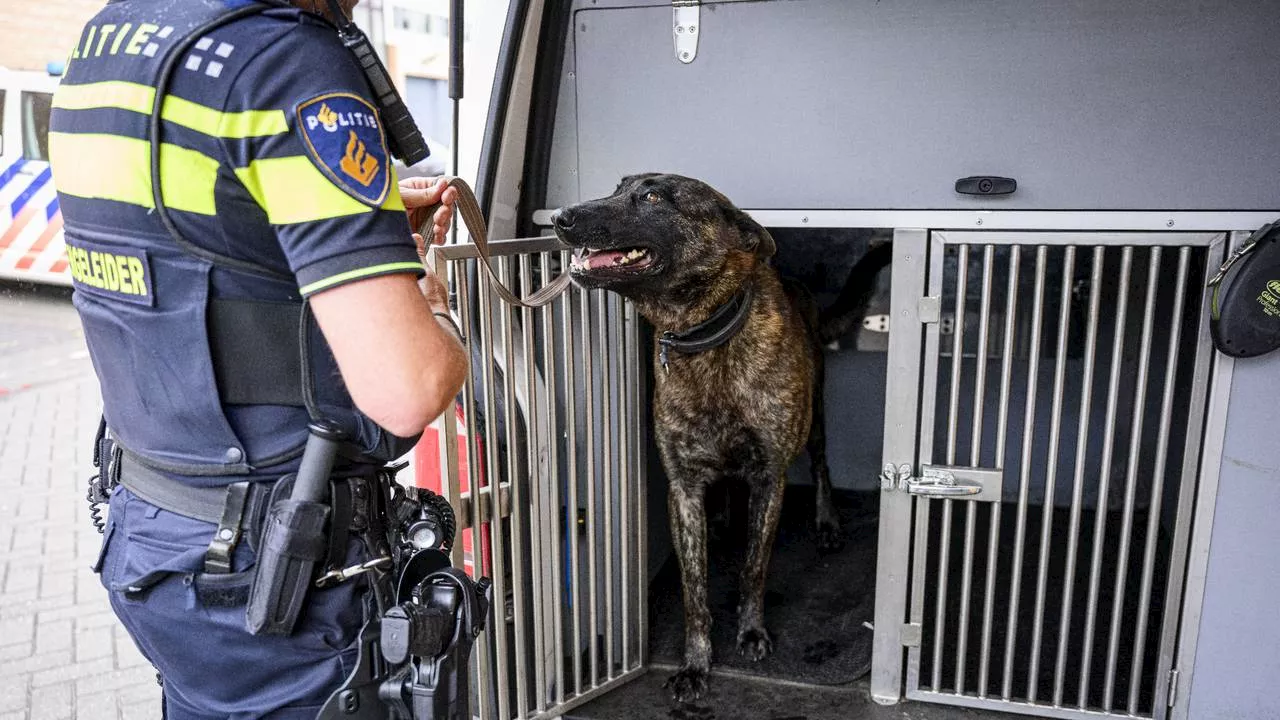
{"x": 945, "y": 481}
{"x": 894, "y": 478}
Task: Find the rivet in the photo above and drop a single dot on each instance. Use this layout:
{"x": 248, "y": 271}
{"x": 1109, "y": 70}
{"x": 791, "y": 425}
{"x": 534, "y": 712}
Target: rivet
{"x": 693, "y": 28}
{"x": 225, "y": 534}
{"x": 679, "y": 28}
{"x": 1170, "y": 223}
{"x": 979, "y": 221}
{"x": 233, "y": 455}
{"x": 804, "y": 219}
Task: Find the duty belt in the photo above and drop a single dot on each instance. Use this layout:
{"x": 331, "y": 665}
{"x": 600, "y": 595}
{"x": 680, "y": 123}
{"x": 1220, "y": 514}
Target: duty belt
{"x": 238, "y": 509}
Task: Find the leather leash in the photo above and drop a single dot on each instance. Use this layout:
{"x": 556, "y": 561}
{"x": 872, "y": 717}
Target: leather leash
{"x": 469, "y": 209}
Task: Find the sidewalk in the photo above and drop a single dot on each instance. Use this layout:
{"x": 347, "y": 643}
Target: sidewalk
{"x": 62, "y": 652}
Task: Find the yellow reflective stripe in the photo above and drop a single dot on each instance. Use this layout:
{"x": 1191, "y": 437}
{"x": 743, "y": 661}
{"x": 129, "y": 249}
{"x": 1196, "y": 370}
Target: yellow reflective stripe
{"x": 111, "y": 167}
{"x": 293, "y": 190}
{"x": 202, "y": 119}
{"x": 109, "y": 94}
{"x": 139, "y": 98}
{"x": 357, "y": 274}
{"x": 393, "y": 201}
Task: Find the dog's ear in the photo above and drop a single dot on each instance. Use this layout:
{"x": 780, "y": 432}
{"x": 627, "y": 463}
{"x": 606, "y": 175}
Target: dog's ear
{"x": 753, "y": 236}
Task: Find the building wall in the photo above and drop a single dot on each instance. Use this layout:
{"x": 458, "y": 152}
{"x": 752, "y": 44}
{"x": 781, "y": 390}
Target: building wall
{"x": 39, "y": 31}
{"x": 417, "y": 47}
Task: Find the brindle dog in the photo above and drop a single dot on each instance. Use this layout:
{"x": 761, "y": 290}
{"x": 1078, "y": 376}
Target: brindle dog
{"x": 679, "y": 250}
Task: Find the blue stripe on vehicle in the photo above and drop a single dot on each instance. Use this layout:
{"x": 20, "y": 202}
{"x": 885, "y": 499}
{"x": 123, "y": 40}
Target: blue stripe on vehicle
{"x": 52, "y": 210}
{"x": 35, "y": 186}
{"x": 10, "y": 171}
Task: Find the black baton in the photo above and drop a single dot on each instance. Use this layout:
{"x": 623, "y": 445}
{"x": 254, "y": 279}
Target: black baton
{"x": 317, "y": 461}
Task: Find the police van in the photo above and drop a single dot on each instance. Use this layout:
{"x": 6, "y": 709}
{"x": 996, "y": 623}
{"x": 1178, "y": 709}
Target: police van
{"x": 31, "y": 246}
{"x": 1060, "y": 499}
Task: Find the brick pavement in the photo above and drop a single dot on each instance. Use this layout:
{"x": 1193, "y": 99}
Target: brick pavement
{"x": 62, "y": 652}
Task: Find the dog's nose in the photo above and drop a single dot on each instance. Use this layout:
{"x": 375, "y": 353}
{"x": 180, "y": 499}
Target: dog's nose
{"x": 563, "y": 218}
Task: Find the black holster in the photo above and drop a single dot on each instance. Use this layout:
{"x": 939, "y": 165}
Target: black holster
{"x": 294, "y": 538}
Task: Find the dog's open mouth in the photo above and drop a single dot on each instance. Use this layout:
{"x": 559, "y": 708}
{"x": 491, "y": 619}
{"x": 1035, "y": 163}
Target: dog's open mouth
{"x": 587, "y": 260}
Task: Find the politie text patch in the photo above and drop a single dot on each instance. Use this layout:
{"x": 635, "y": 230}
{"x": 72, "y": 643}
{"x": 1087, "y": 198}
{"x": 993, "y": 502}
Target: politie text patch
{"x": 344, "y": 137}
{"x": 116, "y": 273}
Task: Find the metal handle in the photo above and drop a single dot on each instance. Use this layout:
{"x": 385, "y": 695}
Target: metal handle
{"x": 937, "y": 482}
{"x": 932, "y": 489}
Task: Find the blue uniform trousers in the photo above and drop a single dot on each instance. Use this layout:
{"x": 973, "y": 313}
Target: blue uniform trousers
{"x": 191, "y": 625}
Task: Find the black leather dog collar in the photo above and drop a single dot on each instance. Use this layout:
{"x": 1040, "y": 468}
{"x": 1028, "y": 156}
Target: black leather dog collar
{"x": 711, "y": 333}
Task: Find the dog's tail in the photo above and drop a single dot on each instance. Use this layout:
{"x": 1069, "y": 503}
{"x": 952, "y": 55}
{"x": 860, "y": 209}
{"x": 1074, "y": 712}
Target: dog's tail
{"x": 859, "y": 287}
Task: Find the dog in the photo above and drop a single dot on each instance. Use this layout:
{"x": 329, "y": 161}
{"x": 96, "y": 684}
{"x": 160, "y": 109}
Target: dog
{"x": 738, "y": 372}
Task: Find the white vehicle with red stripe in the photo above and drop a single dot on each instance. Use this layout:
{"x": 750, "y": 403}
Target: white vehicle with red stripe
{"x": 31, "y": 246}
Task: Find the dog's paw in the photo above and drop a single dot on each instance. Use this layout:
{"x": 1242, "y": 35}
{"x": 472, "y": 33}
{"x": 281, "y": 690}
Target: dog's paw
{"x": 830, "y": 539}
{"x": 687, "y": 684}
{"x": 754, "y": 644}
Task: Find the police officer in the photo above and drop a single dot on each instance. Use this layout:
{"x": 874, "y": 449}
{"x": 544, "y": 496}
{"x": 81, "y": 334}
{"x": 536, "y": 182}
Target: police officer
{"x": 277, "y": 187}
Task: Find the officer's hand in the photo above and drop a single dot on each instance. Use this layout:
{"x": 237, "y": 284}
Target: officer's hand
{"x": 419, "y": 195}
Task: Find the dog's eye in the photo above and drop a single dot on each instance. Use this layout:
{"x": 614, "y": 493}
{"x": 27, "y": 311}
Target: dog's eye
{"x": 652, "y": 198}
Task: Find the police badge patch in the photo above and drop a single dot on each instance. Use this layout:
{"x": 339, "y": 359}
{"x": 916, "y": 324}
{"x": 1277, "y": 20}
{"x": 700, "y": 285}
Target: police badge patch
{"x": 344, "y": 135}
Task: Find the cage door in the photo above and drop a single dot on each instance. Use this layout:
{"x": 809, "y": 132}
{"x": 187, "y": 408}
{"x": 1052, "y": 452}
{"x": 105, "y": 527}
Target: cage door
{"x": 1066, "y": 376}
{"x": 543, "y": 463}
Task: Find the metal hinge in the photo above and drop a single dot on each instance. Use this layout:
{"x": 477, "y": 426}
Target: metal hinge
{"x": 910, "y": 635}
{"x": 686, "y": 24}
{"x": 945, "y": 481}
{"x": 929, "y": 309}
{"x": 1173, "y": 687}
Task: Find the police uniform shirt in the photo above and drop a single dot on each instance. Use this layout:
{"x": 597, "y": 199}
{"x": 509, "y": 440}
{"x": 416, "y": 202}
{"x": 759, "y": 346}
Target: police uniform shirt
{"x": 273, "y": 153}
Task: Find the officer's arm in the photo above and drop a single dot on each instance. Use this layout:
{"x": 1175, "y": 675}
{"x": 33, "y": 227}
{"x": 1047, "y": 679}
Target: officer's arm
{"x": 326, "y": 185}
{"x": 400, "y": 365}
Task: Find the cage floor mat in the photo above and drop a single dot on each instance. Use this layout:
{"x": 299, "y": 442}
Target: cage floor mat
{"x": 817, "y": 606}
{"x": 739, "y": 697}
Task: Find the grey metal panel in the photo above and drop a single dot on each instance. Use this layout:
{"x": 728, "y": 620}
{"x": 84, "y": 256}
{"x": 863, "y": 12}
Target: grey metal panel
{"x": 903, "y": 394}
{"x": 562, "y": 169}
{"x": 1120, "y": 220}
{"x": 1236, "y": 661}
{"x": 1094, "y": 104}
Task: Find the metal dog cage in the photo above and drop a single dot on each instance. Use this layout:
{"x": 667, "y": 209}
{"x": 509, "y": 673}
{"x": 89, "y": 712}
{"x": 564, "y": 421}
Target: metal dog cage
{"x": 1060, "y": 383}
{"x": 1045, "y": 427}
{"x": 552, "y": 413}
